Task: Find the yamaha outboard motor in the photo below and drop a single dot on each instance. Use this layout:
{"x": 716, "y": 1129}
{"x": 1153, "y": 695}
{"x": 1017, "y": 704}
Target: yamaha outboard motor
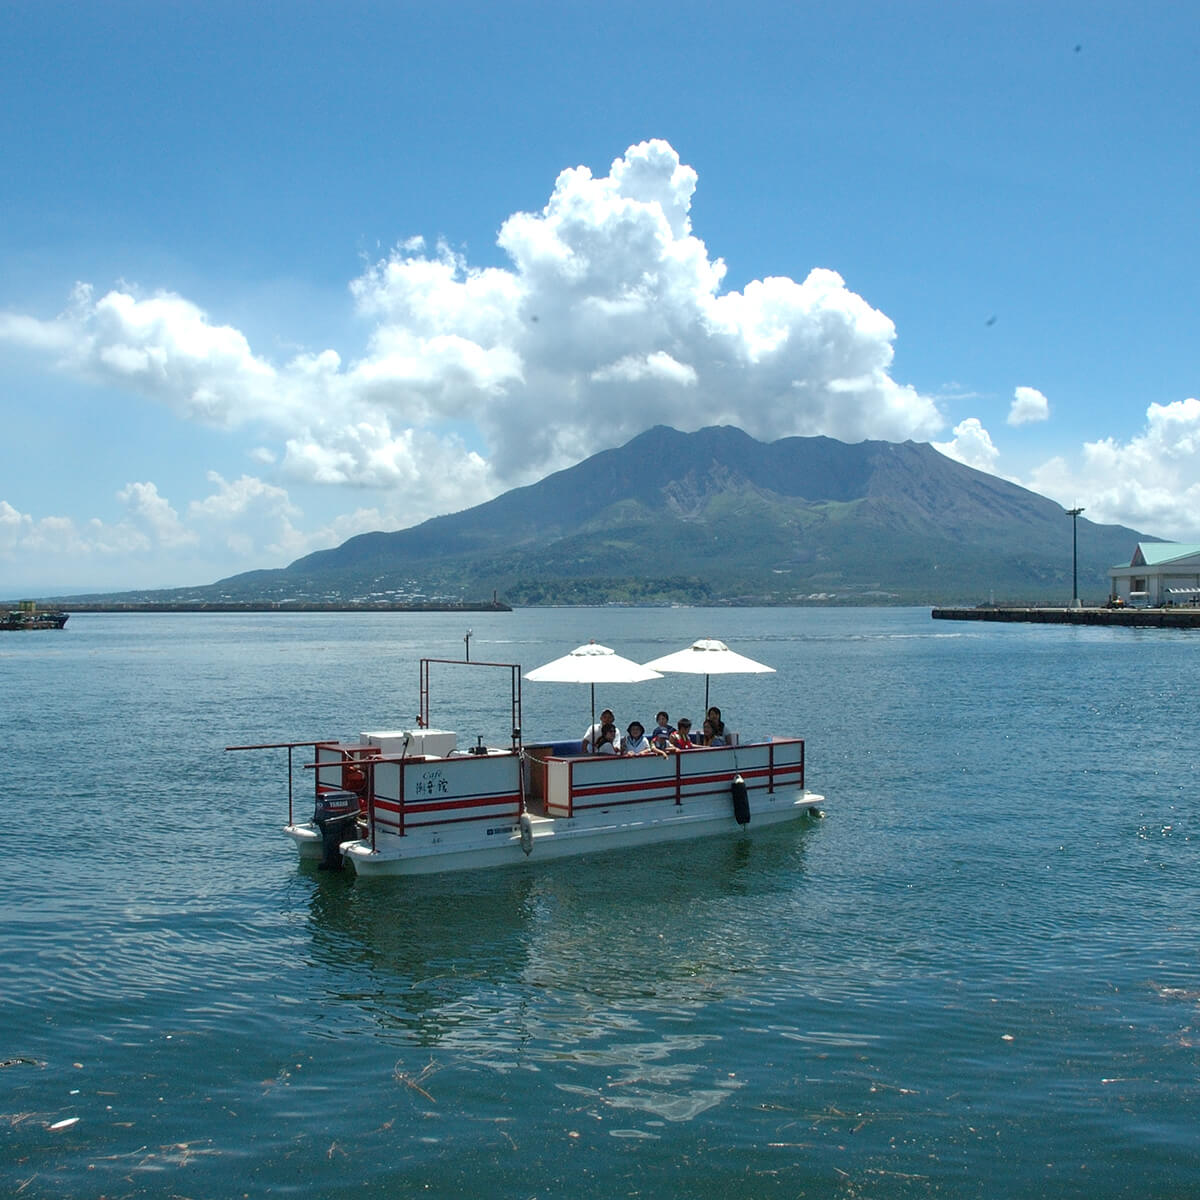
{"x": 334, "y": 816}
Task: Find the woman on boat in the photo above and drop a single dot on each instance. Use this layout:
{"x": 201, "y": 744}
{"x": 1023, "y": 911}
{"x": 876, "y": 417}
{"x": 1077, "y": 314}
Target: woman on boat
{"x": 591, "y": 739}
{"x": 714, "y": 715}
{"x": 606, "y": 743}
{"x": 710, "y": 736}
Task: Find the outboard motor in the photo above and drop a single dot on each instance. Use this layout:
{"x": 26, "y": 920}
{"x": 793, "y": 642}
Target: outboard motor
{"x": 334, "y": 816}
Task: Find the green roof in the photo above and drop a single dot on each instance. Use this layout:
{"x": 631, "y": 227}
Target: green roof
{"x": 1157, "y": 553}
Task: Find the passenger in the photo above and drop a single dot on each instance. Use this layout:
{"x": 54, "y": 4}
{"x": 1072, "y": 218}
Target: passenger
{"x": 662, "y": 730}
{"x": 606, "y": 743}
{"x": 714, "y": 715}
{"x": 636, "y": 741}
{"x": 710, "y": 736}
{"x": 592, "y": 736}
{"x": 681, "y": 739}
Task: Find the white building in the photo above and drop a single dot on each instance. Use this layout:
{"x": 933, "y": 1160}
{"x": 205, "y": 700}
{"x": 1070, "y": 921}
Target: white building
{"x": 1158, "y": 573}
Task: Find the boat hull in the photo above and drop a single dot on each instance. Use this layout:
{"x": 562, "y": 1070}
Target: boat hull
{"x": 559, "y": 838}
{"x": 25, "y": 620}
{"x": 308, "y": 840}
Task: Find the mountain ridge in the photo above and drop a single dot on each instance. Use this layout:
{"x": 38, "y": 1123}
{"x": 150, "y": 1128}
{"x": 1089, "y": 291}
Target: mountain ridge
{"x": 717, "y": 516}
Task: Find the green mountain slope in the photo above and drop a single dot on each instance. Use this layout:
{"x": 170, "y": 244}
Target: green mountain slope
{"x": 717, "y": 516}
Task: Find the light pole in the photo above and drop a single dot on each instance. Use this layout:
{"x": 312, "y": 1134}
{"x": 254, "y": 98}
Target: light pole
{"x": 1073, "y": 513}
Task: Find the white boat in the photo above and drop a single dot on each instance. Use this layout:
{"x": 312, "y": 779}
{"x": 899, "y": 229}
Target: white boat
{"x": 412, "y": 802}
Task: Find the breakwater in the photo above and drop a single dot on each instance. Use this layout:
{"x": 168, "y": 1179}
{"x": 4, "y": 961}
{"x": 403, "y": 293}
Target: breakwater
{"x": 1161, "y": 618}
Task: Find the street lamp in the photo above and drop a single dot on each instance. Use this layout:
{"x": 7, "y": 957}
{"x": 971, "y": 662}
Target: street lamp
{"x": 1073, "y": 513}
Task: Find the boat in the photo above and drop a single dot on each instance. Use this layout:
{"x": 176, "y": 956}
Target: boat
{"x": 411, "y": 801}
{"x": 27, "y": 615}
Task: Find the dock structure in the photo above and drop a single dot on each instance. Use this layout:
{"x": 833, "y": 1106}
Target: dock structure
{"x": 1146, "y": 618}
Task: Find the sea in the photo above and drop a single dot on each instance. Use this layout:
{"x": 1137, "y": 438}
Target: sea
{"x": 976, "y": 975}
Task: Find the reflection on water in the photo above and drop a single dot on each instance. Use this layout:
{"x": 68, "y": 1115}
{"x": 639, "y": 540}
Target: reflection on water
{"x": 605, "y": 968}
{"x": 601, "y": 925}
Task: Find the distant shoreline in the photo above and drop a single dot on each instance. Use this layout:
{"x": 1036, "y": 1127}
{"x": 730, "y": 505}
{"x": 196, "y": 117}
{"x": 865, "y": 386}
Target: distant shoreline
{"x": 260, "y": 606}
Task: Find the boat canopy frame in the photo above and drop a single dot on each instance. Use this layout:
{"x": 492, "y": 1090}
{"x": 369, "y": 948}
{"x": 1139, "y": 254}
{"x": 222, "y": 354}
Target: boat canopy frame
{"x": 514, "y": 670}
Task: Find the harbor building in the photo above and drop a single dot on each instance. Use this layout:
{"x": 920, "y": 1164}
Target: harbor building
{"x": 1159, "y": 573}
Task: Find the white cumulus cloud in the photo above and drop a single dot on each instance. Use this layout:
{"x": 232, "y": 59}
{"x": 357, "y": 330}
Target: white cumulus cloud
{"x": 242, "y": 524}
{"x": 609, "y": 317}
{"x": 1150, "y": 483}
{"x": 971, "y": 445}
{"x": 1028, "y": 405}
{"x": 153, "y": 512}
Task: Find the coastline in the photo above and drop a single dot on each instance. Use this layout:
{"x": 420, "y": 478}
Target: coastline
{"x": 286, "y": 606}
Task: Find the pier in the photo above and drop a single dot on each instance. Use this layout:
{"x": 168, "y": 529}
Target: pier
{"x": 1152, "y": 618}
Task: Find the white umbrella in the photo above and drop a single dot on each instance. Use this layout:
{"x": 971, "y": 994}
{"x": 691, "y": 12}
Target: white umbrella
{"x": 709, "y": 657}
{"x": 592, "y": 664}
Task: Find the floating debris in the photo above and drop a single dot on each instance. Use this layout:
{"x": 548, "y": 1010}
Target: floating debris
{"x": 66, "y": 1123}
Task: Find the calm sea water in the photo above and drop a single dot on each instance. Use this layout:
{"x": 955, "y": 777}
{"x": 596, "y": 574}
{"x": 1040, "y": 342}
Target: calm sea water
{"x": 978, "y": 976}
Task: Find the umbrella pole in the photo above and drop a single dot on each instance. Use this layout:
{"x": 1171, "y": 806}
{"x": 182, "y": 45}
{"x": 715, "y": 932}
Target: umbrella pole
{"x": 591, "y": 728}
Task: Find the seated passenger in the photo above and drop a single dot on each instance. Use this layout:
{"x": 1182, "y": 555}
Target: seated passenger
{"x": 710, "y": 736}
{"x": 606, "y": 743}
{"x": 681, "y": 739}
{"x": 636, "y": 741}
{"x": 592, "y": 736}
{"x": 662, "y": 730}
{"x": 714, "y": 715}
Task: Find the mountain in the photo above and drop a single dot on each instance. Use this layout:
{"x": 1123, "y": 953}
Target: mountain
{"x": 718, "y": 517}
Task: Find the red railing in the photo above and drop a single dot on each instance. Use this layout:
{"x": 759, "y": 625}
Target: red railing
{"x": 634, "y": 791}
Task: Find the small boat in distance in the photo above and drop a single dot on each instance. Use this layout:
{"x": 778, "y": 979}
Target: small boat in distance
{"x": 27, "y": 615}
{"x": 412, "y": 802}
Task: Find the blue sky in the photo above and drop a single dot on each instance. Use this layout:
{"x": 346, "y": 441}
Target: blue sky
{"x": 275, "y": 274}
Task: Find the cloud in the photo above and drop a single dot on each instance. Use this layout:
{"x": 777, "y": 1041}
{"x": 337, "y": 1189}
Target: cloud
{"x": 62, "y": 548}
{"x": 658, "y": 366}
{"x": 164, "y": 347}
{"x": 1149, "y": 483}
{"x": 153, "y": 511}
{"x": 1028, "y": 405}
{"x": 971, "y": 445}
{"x": 241, "y": 524}
{"x": 610, "y": 317}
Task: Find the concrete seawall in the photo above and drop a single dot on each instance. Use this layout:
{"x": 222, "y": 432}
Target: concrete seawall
{"x": 1153, "y": 618}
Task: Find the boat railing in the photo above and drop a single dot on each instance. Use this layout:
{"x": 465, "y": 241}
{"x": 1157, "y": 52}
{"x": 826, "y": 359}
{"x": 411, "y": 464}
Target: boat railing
{"x": 337, "y": 766}
{"x": 568, "y": 785}
{"x": 400, "y": 793}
